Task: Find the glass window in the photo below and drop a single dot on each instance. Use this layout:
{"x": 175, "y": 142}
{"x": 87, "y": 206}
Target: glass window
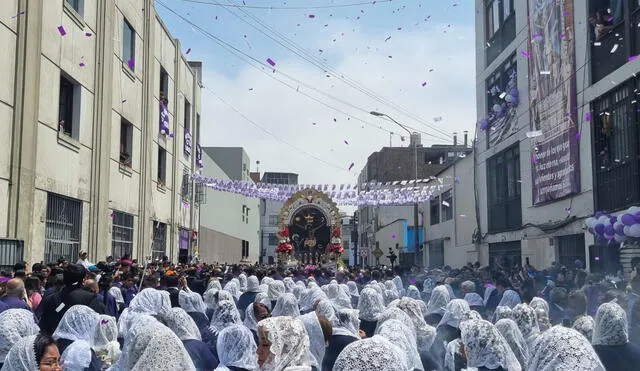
{"x": 447, "y": 206}
{"x": 162, "y": 166}
{"x": 503, "y": 181}
{"x": 159, "y": 243}
{"x": 434, "y": 211}
{"x": 507, "y": 8}
{"x": 496, "y": 15}
{"x": 126, "y": 142}
{"x": 274, "y": 219}
{"x": 76, "y": 5}
{"x": 273, "y": 239}
{"x": 63, "y": 228}
{"x": 122, "y": 235}
{"x": 128, "y": 44}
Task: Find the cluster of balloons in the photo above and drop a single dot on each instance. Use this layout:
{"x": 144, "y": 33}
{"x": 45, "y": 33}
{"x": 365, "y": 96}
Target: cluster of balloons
{"x": 616, "y": 228}
{"x": 509, "y": 99}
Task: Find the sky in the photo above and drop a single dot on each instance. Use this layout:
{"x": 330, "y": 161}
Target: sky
{"x": 334, "y": 62}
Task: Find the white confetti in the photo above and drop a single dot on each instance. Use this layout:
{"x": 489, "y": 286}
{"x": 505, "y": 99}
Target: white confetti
{"x": 533, "y": 134}
{"x": 504, "y": 94}
{"x": 597, "y": 43}
{"x": 615, "y": 47}
{"x": 445, "y": 203}
{"x": 545, "y": 72}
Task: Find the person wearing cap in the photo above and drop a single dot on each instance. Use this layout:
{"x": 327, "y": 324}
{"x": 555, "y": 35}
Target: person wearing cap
{"x": 249, "y": 296}
{"x": 82, "y": 260}
{"x": 55, "y": 305}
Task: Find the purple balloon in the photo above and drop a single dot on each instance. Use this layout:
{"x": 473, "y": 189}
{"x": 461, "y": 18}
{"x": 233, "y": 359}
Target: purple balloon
{"x": 613, "y": 219}
{"x": 591, "y": 230}
{"x": 628, "y": 219}
{"x": 608, "y": 230}
{"x": 619, "y": 228}
{"x": 609, "y": 236}
{"x": 637, "y": 217}
{"x": 599, "y": 228}
{"x": 599, "y": 214}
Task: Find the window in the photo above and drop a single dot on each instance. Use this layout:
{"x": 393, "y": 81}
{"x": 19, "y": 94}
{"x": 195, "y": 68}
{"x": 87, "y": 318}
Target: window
{"x": 77, "y": 5}
{"x": 121, "y": 235}
{"x": 434, "y": 208}
{"x": 200, "y": 194}
{"x": 570, "y": 249}
{"x": 187, "y": 114}
{"x": 164, "y": 86}
{"x": 126, "y": 142}
{"x": 244, "y": 211}
{"x": 611, "y": 44}
{"x": 436, "y": 254}
{"x": 447, "y": 206}
{"x": 186, "y": 188}
{"x": 69, "y": 107}
{"x": 128, "y": 44}
{"x": 159, "y": 243}
{"x": 499, "y": 86}
{"x": 503, "y": 177}
{"x": 63, "y": 228}
{"x": 12, "y": 252}
{"x": 500, "y": 26}
{"x": 274, "y": 219}
{"x": 616, "y": 147}
{"x": 246, "y": 215}
{"x": 273, "y": 239}
{"x": 162, "y": 166}
{"x": 505, "y": 255}
{"x": 245, "y": 249}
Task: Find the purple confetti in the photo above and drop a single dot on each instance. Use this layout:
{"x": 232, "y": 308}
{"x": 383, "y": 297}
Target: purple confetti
{"x": 565, "y": 14}
{"x": 271, "y": 62}
{"x": 312, "y": 16}
{"x": 131, "y": 63}
{"x": 578, "y": 136}
{"x": 104, "y": 321}
{"x": 19, "y": 13}
{"x": 352, "y": 165}
{"x": 562, "y": 36}
{"x": 188, "y": 51}
{"x": 424, "y": 84}
{"x": 345, "y": 142}
{"x": 632, "y": 58}
{"x": 62, "y": 31}
{"x": 587, "y": 116}
{"x": 524, "y": 54}
{"x": 82, "y": 64}
{"x": 124, "y": 100}
{"x": 394, "y": 236}
{"x": 88, "y": 34}
{"x": 535, "y": 36}
{"x": 533, "y": 159}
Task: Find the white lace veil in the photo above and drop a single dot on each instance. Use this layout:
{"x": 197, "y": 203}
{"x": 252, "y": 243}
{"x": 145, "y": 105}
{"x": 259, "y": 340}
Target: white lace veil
{"x": 370, "y": 304}
{"x": 542, "y": 312}
{"x": 397, "y": 281}
{"x": 182, "y": 325}
{"x": 338, "y": 297}
{"x": 242, "y": 280}
{"x": 316, "y": 337}
{"x": 289, "y": 343}
{"x": 326, "y": 310}
{"x": 375, "y": 353}
{"x": 214, "y": 284}
{"x": 584, "y": 325}
{"x": 117, "y": 294}
{"x": 413, "y": 292}
{"x": 155, "y": 347}
{"x": 474, "y": 299}
{"x": 399, "y": 335}
{"x": 610, "y": 325}
{"x": 225, "y": 315}
{"x": 390, "y": 295}
{"x": 276, "y": 288}
{"x": 297, "y": 291}
{"x": 232, "y": 288}
{"x": 191, "y": 302}
{"x": 453, "y": 313}
{"x": 397, "y": 314}
{"x": 486, "y": 347}
{"x": 438, "y": 300}
{"x": 347, "y": 323}
{"x": 262, "y": 297}
{"x": 14, "y": 325}
{"x": 78, "y": 325}
{"x": 286, "y": 305}
{"x": 148, "y": 301}
{"x": 236, "y": 348}
{"x": 509, "y": 299}
{"x": 288, "y": 284}
{"x": 105, "y": 338}
{"x": 250, "y": 320}
{"x": 425, "y": 333}
{"x": 563, "y": 349}
{"x": 22, "y": 356}
{"x": 527, "y": 320}
{"x": 502, "y": 312}
{"x": 511, "y": 333}
{"x": 253, "y": 284}
{"x": 266, "y": 280}
{"x": 353, "y": 289}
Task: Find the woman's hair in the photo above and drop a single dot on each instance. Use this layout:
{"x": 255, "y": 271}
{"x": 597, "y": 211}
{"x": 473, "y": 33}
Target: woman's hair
{"x": 327, "y": 329}
{"x": 32, "y": 284}
{"x": 40, "y": 345}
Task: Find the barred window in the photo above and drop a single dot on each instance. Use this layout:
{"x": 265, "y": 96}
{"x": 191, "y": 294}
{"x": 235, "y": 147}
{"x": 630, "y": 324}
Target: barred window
{"x": 122, "y": 235}
{"x": 63, "y": 228}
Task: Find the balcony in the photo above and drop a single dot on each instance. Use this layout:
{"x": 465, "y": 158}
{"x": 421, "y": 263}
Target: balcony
{"x": 603, "y": 60}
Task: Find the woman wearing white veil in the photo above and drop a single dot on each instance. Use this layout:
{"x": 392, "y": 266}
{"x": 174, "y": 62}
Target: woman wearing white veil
{"x": 317, "y": 341}
{"x": 237, "y": 349}
{"x": 34, "y": 352}
{"x": 437, "y": 304}
{"x": 563, "y": 349}
{"x": 286, "y": 305}
{"x": 105, "y": 340}
{"x": 14, "y": 325}
{"x": 284, "y": 345}
{"x": 370, "y": 306}
{"x": 224, "y": 316}
{"x": 74, "y": 336}
{"x": 346, "y": 328}
{"x": 354, "y": 293}
{"x": 376, "y": 353}
{"x": 485, "y": 348}
{"x": 188, "y": 332}
{"x": 511, "y": 333}
{"x": 398, "y": 334}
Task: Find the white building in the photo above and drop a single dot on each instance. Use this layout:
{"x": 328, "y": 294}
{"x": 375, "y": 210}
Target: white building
{"x": 84, "y": 165}
{"x": 270, "y": 216}
{"x": 229, "y": 223}
{"x": 450, "y": 218}
{"x": 567, "y": 145}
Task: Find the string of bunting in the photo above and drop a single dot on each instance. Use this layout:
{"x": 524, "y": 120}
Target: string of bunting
{"x": 398, "y": 193}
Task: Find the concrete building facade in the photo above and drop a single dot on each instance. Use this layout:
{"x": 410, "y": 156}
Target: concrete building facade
{"x": 270, "y": 216}
{"x": 86, "y": 165}
{"x": 566, "y": 143}
{"x": 229, "y": 223}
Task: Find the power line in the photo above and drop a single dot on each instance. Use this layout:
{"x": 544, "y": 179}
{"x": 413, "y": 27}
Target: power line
{"x": 288, "y": 7}
{"x": 253, "y": 61}
{"x": 237, "y": 111}
{"x": 311, "y": 58}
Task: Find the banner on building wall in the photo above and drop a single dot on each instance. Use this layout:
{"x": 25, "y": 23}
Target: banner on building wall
{"x": 187, "y": 142}
{"x": 555, "y": 160}
{"x": 183, "y": 239}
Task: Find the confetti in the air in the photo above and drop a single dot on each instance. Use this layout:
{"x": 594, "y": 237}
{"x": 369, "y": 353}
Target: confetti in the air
{"x": 394, "y": 236}
{"x": 587, "y": 116}
{"x": 387, "y": 39}
{"x": 424, "y": 84}
{"x": 62, "y": 30}
{"x": 613, "y": 50}
{"x": 533, "y": 134}
{"x": 545, "y": 72}
{"x": 524, "y": 54}
{"x": 445, "y": 204}
{"x": 271, "y": 62}
{"x": 131, "y": 63}
{"x": 88, "y": 34}
{"x": 312, "y": 16}
{"x": 578, "y": 135}
{"x": 533, "y": 159}
{"x": 19, "y": 14}
{"x": 352, "y": 165}
{"x": 81, "y": 64}
{"x": 124, "y": 100}
{"x": 632, "y": 58}
{"x": 188, "y": 51}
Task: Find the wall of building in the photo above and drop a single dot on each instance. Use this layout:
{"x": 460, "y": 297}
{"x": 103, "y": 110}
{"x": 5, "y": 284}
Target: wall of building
{"x": 225, "y": 225}
{"x": 85, "y": 166}
{"x": 534, "y": 241}
{"x": 269, "y": 210}
{"x": 233, "y": 160}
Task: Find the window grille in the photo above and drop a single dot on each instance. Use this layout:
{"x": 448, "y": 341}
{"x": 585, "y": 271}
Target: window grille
{"x": 63, "y": 228}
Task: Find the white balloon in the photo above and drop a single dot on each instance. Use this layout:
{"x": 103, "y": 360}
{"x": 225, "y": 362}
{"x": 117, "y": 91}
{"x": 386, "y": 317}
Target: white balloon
{"x": 627, "y": 230}
{"x": 633, "y": 209}
{"x": 604, "y": 220}
{"x": 634, "y": 231}
{"x": 620, "y": 238}
{"x": 591, "y": 222}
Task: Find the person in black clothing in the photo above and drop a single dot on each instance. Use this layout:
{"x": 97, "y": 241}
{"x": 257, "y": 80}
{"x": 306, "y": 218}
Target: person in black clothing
{"x": 54, "y": 306}
{"x": 248, "y": 297}
{"x": 611, "y": 339}
{"x": 173, "y": 284}
{"x": 76, "y": 329}
{"x": 344, "y": 333}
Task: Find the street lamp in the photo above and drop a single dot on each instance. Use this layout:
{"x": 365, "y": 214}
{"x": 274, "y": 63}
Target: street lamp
{"x": 416, "y": 235}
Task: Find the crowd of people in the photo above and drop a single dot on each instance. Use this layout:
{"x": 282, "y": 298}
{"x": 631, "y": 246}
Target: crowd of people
{"x": 121, "y": 315}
